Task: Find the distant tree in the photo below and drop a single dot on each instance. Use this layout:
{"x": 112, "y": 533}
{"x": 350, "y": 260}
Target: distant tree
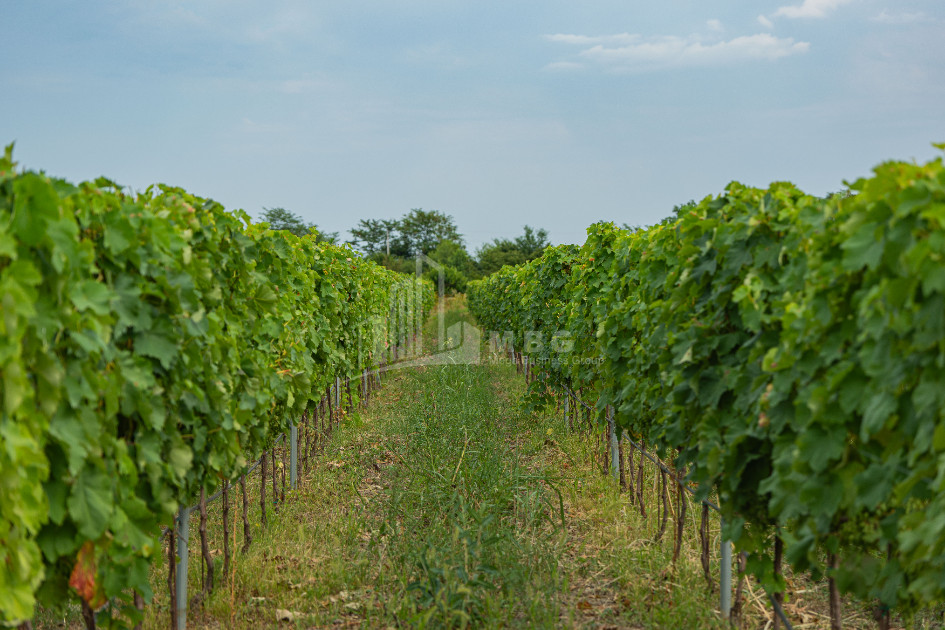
{"x": 500, "y": 252}
{"x": 282, "y": 219}
{"x": 400, "y": 264}
{"x": 454, "y": 280}
{"x": 453, "y": 254}
{"x": 422, "y": 230}
{"x": 533, "y": 242}
{"x": 458, "y": 266}
{"x": 374, "y": 235}
{"x": 417, "y": 232}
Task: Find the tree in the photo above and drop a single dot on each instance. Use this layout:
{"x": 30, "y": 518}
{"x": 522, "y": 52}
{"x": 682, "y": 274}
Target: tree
{"x": 500, "y": 252}
{"x": 417, "y": 232}
{"x": 458, "y": 266}
{"x": 454, "y": 255}
{"x": 422, "y": 230}
{"x": 282, "y": 219}
{"x": 454, "y": 281}
{"x": 532, "y": 243}
{"x": 379, "y": 236}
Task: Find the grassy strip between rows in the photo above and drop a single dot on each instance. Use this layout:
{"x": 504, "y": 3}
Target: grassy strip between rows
{"x": 443, "y": 504}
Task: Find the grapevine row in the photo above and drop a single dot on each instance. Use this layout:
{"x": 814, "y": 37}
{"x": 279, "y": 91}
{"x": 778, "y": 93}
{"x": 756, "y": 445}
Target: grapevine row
{"x": 792, "y": 348}
{"x": 151, "y": 344}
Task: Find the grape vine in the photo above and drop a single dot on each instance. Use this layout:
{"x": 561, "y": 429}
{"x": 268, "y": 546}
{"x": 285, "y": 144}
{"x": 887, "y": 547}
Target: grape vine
{"x": 153, "y": 343}
{"x": 792, "y": 348}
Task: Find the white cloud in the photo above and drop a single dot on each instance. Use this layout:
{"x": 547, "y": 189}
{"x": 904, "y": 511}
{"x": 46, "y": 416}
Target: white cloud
{"x": 656, "y": 53}
{"x": 563, "y": 66}
{"x": 885, "y": 17}
{"x": 714, "y": 25}
{"x": 586, "y": 40}
{"x": 765, "y": 22}
{"x": 810, "y": 8}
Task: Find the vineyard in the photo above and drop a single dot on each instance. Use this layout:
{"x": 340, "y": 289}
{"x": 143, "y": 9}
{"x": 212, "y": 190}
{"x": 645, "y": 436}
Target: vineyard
{"x": 786, "y": 352}
{"x": 779, "y": 357}
{"x": 153, "y": 346}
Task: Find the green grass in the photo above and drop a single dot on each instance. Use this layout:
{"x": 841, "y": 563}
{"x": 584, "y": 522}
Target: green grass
{"x": 421, "y": 519}
{"x": 443, "y": 504}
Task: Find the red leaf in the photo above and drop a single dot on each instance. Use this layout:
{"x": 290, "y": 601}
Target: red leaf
{"x": 83, "y": 577}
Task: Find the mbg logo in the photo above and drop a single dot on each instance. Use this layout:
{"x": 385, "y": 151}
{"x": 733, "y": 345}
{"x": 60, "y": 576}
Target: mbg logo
{"x": 459, "y": 343}
{"x": 537, "y": 343}
{"x": 554, "y": 349}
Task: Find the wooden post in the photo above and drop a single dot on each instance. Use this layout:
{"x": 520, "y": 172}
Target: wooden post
{"x": 294, "y": 456}
{"x": 779, "y": 596}
{"x": 680, "y": 519}
{"x": 642, "y": 501}
{"x": 139, "y": 606}
{"x": 247, "y": 530}
{"x": 262, "y": 487}
{"x": 172, "y": 572}
{"x": 275, "y": 486}
{"x": 226, "y": 528}
{"x": 836, "y": 615}
{"x": 205, "y": 544}
{"x": 664, "y": 500}
{"x": 88, "y": 616}
{"x": 704, "y": 543}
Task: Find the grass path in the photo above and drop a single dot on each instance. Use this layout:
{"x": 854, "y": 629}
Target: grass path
{"x": 443, "y": 504}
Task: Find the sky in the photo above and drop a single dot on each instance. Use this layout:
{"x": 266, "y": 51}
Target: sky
{"x": 554, "y": 114}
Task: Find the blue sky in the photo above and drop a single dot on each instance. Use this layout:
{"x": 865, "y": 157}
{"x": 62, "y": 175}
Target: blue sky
{"x": 553, "y": 114}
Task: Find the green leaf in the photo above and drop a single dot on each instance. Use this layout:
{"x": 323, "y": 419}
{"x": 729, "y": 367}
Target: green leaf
{"x": 57, "y": 492}
{"x": 90, "y": 502}
{"x": 879, "y": 408}
{"x": 821, "y": 446}
{"x": 913, "y": 197}
{"x": 56, "y": 542}
{"x": 36, "y": 204}
{"x": 873, "y": 486}
{"x": 927, "y": 395}
{"x": 180, "y": 458}
{"x": 265, "y": 294}
{"x": 863, "y": 249}
{"x": 15, "y": 387}
{"x": 24, "y": 272}
{"x": 70, "y": 432}
{"x": 119, "y": 235}
{"x": 91, "y": 295}
{"x": 938, "y": 438}
{"x": 933, "y": 279}
{"x": 157, "y": 346}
